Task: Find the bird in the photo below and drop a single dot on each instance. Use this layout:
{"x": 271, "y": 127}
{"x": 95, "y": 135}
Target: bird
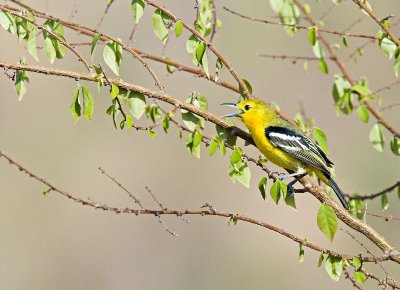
{"x": 285, "y": 145}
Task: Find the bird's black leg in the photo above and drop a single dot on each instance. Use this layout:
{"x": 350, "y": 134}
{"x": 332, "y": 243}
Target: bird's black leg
{"x": 290, "y": 189}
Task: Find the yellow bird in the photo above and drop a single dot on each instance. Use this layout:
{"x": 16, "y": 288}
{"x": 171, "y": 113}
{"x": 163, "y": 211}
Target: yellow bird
{"x": 285, "y": 145}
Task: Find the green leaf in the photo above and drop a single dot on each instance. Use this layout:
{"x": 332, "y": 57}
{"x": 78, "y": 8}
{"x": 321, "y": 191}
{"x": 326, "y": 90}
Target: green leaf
{"x": 20, "y": 80}
{"x": 129, "y": 121}
{"x": 388, "y": 47}
{"x": 165, "y": 123}
{"x": 95, "y": 39}
{"x": 334, "y": 267}
{"x": 357, "y": 207}
{"x": 359, "y": 277}
{"x": 320, "y": 259}
{"x": 321, "y": 139}
{"x": 376, "y": 137}
{"x": 88, "y": 103}
{"x": 276, "y": 189}
{"x": 262, "y": 185}
{"x": 244, "y": 176}
{"x": 112, "y": 55}
{"x": 312, "y": 35}
{"x": 323, "y": 67}
{"x": 361, "y": 89}
{"x": 49, "y": 50}
{"x": 396, "y": 66}
{"x": 31, "y": 44}
{"x": 114, "y": 91}
{"x": 137, "y": 7}
{"x": 248, "y": 86}
{"x": 136, "y": 104}
{"x": 151, "y": 133}
{"x": 193, "y": 142}
{"x": 213, "y": 147}
{"x": 159, "y": 26}
{"x": 344, "y": 40}
{"x": 301, "y": 253}
{"x": 178, "y": 28}
{"x": 327, "y": 221}
{"x": 75, "y": 107}
{"x": 290, "y": 201}
{"x": 395, "y": 145}
{"x": 384, "y": 201}
{"x": 363, "y": 113}
{"x": 170, "y": 68}
{"x": 236, "y": 156}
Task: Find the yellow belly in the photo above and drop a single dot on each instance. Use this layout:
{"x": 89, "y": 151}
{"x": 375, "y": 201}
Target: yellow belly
{"x": 274, "y": 154}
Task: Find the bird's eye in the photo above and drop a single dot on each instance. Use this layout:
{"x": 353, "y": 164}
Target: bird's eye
{"x": 247, "y": 107}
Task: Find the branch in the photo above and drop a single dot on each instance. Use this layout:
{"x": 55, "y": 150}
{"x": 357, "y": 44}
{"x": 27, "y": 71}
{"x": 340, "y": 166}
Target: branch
{"x": 208, "y": 44}
{"x": 301, "y": 27}
{"x": 209, "y": 212}
{"x": 62, "y": 41}
{"x": 365, "y": 7}
{"x": 375, "y": 195}
{"x": 345, "y": 72}
{"x": 314, "y": 189}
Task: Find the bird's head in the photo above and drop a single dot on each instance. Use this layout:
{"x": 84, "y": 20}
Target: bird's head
{"x": 250, "y": 111}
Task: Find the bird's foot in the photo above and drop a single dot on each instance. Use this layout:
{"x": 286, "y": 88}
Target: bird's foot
{"x": 290, "y": 191}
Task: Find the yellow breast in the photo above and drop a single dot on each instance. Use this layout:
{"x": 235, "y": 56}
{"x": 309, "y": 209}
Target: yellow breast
{"x": 272, "y": 153}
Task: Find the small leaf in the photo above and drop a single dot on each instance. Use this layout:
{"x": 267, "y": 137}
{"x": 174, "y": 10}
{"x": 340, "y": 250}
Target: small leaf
{"x": 213, "y": 147}
{"x": 75, "y": 107}
{"x": 114, "y": 91}
{"x": 178, "y": 28}
{"x": 137, "y": 7}
{"x": 334, "y": 267}
{"x": 363, "y": 113}
{"x": 376, "y": 137}
{"x": 165, "y": 123}
{"x": 384, "y": 201}
{"x": 88, "y": 103}
{"x": 47, "y": 191}
{"x": 312, "y": 35}
{"x": 301, "y": 253}
{"x": 49, "y": 50}
{"x": 327, "y": 221}
{"x": 320, "y": 259}
{"x": 262, "y": 186}
{"x": 323, "y": 67}
{"x": 136, "y": 104}
{"x": 20, "y": 80}
{"x": 151, "y": 133}
{"x": 344, "y": 40}
{"x": 159, "y": 26}
{"x": 236, "y": 156}
{"x": 290, "y": 200}
{"x": 276, "y": 189}
{"x": 112, "y": 55}
{"x": 361, "y": 89}
{"x": 95, "y": 39}
{"x": 129, "y": 121}
{"x": 31, "y": 44}
{"x": 321, "y": 139}
{"x": 395, "y": 145}
{"x": 359, "y": 277}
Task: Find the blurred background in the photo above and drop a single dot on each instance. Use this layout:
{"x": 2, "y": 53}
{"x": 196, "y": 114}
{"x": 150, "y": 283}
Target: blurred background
{"x": 49, "y": 242}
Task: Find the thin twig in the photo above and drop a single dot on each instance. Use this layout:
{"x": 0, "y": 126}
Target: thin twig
{"x": 209, "y": 212}
{"x": 375, "y": 195}
{"x": 299, "y": 26}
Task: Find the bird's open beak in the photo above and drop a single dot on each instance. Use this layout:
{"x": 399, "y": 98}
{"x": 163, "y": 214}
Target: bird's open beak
{"x": 233, "y": 114}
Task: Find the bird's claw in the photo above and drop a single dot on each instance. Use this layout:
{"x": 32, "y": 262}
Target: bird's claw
{"x": 290, "y": 191}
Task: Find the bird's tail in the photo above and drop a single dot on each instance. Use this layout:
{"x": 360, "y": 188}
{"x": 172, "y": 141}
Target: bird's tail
{"x": 337, "y": 190}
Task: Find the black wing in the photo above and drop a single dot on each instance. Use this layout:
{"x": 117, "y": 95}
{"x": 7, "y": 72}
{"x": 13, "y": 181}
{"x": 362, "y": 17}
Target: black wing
{"x": 298, "y": 146}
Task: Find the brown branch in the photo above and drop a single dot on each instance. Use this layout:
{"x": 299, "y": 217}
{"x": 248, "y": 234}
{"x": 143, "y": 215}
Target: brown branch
{"x": 62, "y": 41}
{"x": 345, "y": 72}
{"x": 299, "y": 26}
{"x": 210, "y": 212}
{"x": 214, "y": 24}
{"x": 207, "y": 43}
{"x": 365, "y": 7}
{"x": 104, "y": 15}
{"x": 92, "y": 32}
{"x": 314, "y": 189}
{"x": 375, "y": 195}
{"x": 349, "y": 277}
{"x": 289, "y": 57}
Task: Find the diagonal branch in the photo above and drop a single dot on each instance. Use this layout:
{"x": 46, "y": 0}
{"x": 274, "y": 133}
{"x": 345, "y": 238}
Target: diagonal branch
{"x": 314, "y": 189}
{"x": 346, "y": 73}
{"x": 209, "y": 212}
